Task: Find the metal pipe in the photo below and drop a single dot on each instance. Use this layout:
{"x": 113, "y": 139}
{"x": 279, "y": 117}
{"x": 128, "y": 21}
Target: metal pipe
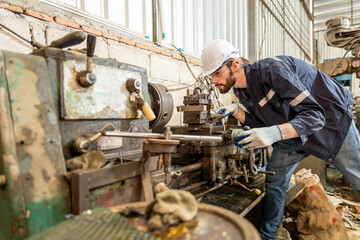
{"x": 188, "y": 188}
{"x": 122, "y": 154}
{"x": 190, "y": 168}
{"x": 252, "y": 205}
{"x": 161, "y": 136}
{"x": 155, "y": 18}
{"x": 211, "y": 189}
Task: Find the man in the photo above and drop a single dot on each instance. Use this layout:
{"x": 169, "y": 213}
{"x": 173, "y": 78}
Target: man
{"x": 292, "y": 106}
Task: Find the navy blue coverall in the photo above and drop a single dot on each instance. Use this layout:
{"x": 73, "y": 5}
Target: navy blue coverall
{"x": 285, "y": 89}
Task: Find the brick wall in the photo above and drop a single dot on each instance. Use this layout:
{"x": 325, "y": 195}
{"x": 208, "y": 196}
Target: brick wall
{"x": 42, "y": 23}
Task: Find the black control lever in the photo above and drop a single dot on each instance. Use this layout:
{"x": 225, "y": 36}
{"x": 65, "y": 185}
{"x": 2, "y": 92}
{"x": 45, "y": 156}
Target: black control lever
{"x": 90, "y": 49}
{"x": 87, "y": 78}
{"x": 90, "y": 45}
{"x": 68, "y": 40}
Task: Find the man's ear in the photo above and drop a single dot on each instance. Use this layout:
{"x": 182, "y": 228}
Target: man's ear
{"x": 235, "y": 66}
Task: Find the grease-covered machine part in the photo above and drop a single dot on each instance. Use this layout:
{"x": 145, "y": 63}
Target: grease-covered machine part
{"x": 49, "y": 120}
{"x": 162, "y": 104}
{"x": 44, "y": 111}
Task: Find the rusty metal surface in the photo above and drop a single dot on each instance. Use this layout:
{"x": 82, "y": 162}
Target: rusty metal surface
{"x": 233, "y": 198}
{"x": 108, "y": 98}
{"x": 82, "y": 183}
{"x": 72, "y": 129}
{"x": 196, "y": 109}
{"x": 37, "y": 137}
{"x": 211, "y": 222}
{"x": 106, "y": 143}
{"x": 161, "y": 103}
{"x": 190, "y": 168}
{"x": 49, "y": 111}
{"x": 61, "y": 61}
{"x": 163, "y": 146}
{"x": 11, "y": 195}
{"x": 36, "y": 126}
{"x": 192, "y": 108}
{"x": 125, "y": 191}
{"x": 210, "y": 189}
{"x": 160, "y": 136}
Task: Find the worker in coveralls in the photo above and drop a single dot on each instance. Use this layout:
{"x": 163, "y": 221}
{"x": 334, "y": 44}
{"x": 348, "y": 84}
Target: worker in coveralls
{"x": 292, "y": 106}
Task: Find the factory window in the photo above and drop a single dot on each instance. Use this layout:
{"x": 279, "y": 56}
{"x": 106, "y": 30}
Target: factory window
{"x": 131, "y": 16}
{"x": 186, "y": 24}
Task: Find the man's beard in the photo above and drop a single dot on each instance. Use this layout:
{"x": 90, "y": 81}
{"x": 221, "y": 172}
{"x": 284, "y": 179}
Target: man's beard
{"x": 229, "y": 83}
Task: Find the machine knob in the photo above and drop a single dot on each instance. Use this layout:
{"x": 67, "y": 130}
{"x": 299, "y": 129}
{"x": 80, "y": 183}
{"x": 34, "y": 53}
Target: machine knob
{"x": 82, "y": 145}
{"x": 86, "y": 79}
{"x": 133, "y": 85}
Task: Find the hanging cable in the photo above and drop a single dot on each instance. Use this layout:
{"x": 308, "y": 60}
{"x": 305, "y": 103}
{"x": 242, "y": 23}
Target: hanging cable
{"x": 203, "y": 82}
{"x": 344, "y": 56}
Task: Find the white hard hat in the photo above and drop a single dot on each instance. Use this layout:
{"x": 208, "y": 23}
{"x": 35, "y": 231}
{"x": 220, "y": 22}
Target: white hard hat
{"x": 215, "y": 53}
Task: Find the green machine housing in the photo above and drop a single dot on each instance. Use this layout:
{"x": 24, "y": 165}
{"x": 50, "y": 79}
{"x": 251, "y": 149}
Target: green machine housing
{"x": 43, "y": 110}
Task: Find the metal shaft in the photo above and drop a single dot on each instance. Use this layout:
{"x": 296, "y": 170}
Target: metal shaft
{"x": 161, "y": 136}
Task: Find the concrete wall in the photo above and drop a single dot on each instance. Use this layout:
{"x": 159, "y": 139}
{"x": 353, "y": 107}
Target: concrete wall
{"x": 42, "y": 23}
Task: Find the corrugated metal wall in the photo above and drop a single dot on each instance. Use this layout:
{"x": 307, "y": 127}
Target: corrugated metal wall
{"x": 284, "y": 27}
{"x": 326, "y": 9}
{"x": 189, "y": 24}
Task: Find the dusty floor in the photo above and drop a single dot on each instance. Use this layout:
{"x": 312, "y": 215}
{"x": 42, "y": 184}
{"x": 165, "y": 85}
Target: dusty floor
{"x": 336, "y": 184}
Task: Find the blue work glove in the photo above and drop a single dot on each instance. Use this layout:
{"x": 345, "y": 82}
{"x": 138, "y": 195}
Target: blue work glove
{"x": 232, "y": 109}
{"x": 258, "y": 137}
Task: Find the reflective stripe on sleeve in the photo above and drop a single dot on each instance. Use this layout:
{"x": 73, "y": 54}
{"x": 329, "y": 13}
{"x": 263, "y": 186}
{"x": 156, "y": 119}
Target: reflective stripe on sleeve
{"x": 276, "y": 58}
{"x": 267, "y": 98}
{"x": 299, "y": 98}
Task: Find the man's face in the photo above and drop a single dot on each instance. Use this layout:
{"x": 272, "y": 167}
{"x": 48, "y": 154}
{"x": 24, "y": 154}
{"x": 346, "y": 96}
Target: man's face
{"x": 223, "y": 79}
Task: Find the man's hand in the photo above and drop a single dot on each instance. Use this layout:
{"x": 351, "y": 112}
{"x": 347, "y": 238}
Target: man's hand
{"x": 232, "y": 109}
{"x": 258, "y": 137}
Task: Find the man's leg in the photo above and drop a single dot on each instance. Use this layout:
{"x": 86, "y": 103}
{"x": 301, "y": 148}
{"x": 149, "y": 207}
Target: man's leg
{"x": 347, "y": 161}
{"x": 284, "y": 159}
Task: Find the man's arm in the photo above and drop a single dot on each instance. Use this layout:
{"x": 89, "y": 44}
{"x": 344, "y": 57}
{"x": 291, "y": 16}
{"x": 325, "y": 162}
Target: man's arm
{"x": 240, "y": 116}
{"x": 288, "y": 131}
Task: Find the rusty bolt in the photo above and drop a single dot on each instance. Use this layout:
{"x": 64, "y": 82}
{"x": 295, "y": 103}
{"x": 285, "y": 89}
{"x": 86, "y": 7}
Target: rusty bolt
{"x": 168, "y": 133}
